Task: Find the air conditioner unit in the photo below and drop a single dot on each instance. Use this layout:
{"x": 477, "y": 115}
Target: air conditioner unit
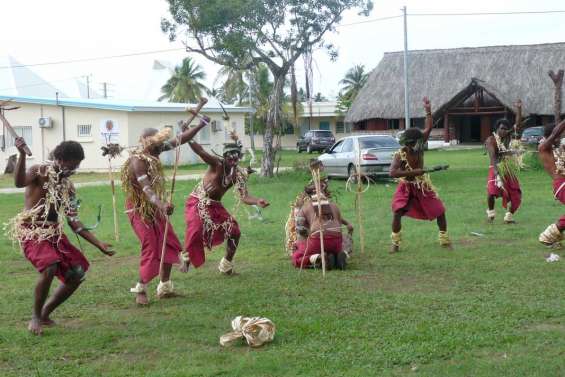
{"x": 45, "y": 122}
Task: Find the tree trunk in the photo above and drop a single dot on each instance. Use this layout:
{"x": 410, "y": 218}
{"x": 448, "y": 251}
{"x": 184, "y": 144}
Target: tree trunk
{"x": 273, "y": 122}
{"x": 251, "y": 131}
{"x": 558, "y": 81}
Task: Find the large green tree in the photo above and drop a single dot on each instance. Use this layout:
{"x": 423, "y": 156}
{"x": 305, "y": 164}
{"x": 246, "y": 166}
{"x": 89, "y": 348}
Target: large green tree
{"x": 244, "y": 33}
{"x": 185, "y": 85}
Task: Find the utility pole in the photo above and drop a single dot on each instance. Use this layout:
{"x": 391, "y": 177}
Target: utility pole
{"x": 106, "y": 88}
{"x": 406, "y": 99}
{"x": 88, "y": 86}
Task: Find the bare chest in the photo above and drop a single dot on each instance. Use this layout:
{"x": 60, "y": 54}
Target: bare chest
{"x": 216, "y": 184}
{"x": 414, "y": 160}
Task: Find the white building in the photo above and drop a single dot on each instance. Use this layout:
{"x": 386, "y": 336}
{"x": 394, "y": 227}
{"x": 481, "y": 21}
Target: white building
{"x": 322, "y": 117}
{"x": 45, "y": 122}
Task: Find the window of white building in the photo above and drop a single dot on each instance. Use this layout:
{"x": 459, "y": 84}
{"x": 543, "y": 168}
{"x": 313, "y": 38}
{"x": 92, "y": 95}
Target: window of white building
{"x": 23, "y": 131}
{"x": 204, "y": 135}
{"x": 84, "y": 130}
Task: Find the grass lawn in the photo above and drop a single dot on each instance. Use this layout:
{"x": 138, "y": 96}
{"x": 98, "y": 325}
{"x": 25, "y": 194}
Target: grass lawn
{"x": 491, "y": 307}
{"x": 287, "y": 158}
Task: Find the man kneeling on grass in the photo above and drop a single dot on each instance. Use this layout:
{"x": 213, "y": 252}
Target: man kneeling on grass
{"x": 49, "y": 198}
{"x": 310, "y": 224}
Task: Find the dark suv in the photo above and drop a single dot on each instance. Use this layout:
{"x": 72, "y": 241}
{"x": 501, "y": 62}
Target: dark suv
{"x": 315, "y": 140}
{"x": 532, "y": 135}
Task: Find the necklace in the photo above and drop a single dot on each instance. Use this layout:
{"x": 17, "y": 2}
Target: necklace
{"x": 227, "y": 179}
{"x": 499, "y": 143}
{"x": 559, "y": 156}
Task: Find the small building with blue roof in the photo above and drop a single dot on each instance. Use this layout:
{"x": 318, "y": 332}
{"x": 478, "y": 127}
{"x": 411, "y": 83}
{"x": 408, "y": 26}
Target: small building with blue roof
{"x": 45, "y": 122}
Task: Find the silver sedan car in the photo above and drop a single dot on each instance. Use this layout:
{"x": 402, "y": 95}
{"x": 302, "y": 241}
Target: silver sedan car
{"x": 374, "y": 153}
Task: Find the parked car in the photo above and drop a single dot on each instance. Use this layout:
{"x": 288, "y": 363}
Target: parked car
{"x": 315, "y": 140}
{"x": 532, "y": 135}
{"x": 374, "y": 151}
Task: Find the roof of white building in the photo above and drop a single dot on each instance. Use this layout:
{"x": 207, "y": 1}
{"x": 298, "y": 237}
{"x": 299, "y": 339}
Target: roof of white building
{"x": 124, "y": 105}
{"x": 319, "y": 109}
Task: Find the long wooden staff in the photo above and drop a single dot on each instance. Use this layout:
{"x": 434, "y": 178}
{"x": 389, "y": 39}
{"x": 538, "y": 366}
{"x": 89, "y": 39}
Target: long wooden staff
{"x": 113, "y": 186}
{"x": 193, "y": 115}
{"x": 359, "y": 194}
{"x": 557, "y": 78}
{"x": 318, "y": 186}
{"x": 114, "y": 207}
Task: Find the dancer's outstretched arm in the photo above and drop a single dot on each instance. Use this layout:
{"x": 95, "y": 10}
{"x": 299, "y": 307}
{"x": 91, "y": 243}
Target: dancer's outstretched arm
{"x": 187, "y": 133}
{"x": 547, "y": 144}
{"x": 205, "y": 156}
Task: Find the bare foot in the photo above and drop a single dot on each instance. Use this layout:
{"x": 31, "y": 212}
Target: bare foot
{"x": 47, "y": 322}
{"x": 394, "y": 249}
{"x": 34, "y": 326}
{"x": 141, "y": 299}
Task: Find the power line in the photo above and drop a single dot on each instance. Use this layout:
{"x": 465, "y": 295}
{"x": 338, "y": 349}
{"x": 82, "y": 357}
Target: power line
{"x": 92, "y": 59}
{"x": 454, "y": 15}
{"x": 371, "y": 20}
{"x": 488, "y": 13}
{"x": 337, "y": 26}
{"x": 44, "y": 83}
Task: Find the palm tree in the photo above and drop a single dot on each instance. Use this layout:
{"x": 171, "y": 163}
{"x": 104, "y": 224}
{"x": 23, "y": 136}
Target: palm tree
{"x": 185, "y": 85}
{"x": 263, "y": 88}
{"x": 234, "y": 89}
{"x": 214, "y": 92}
{"x": 353, "y": 81}
{"x": 319, "y": 97}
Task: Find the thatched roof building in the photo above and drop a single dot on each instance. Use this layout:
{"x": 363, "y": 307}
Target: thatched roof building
{"x": 481, "y": 82}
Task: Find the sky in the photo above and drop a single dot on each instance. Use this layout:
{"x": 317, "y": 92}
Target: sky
{"x": 38, "y": 31}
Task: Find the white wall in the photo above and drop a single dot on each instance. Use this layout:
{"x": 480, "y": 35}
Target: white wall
{"x": 207, "y": 137}
{"x": 94, "y": 161}
{"x": 131, "y": 125}
{"x": 44, "y": 140}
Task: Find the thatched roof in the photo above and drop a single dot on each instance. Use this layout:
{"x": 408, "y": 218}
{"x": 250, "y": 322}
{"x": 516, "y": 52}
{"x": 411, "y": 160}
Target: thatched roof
{"x": 506, "y": 72}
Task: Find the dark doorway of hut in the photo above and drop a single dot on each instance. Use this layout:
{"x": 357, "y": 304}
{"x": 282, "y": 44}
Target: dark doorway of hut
{"x": 468, "y": 129}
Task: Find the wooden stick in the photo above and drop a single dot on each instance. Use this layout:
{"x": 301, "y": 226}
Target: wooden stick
{"x": 113, "y": 187}
{"x": 359, "y": 195}
{"x": 201, "y": 104}
{"x": 194, "y": 112}
{"x": 557, "y": 79}
{"x": 13, "y": 132}
{"x": 317, "y": 185}
{"x": 114, "y": 208}
{"x": 196, "y": 115}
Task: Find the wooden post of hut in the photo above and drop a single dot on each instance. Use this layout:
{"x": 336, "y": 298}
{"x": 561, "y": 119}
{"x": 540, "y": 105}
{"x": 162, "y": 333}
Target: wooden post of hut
{"x": 446, "y": 127}
{"x": 558, "y": 81}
